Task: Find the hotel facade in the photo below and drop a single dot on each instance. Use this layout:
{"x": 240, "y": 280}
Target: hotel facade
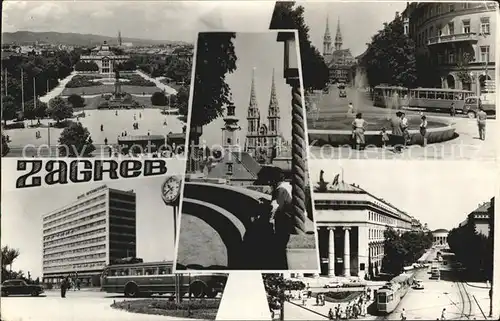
{"x": 104, "y": 58}
{"x": 83, "y": 237}
{"x": 351, "y": 224}
{"x": 459, "y": 41}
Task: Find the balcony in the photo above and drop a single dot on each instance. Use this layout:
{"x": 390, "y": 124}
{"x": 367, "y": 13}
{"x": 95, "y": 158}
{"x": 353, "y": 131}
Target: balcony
{"x": 461, "y": 37}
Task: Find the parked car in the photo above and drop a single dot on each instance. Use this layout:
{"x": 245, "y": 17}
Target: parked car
{"x": 20, "y": 287}
{"x": 418, "y": 286}
{"x": 472, "y": 104}
{"x": 334, "y": 284}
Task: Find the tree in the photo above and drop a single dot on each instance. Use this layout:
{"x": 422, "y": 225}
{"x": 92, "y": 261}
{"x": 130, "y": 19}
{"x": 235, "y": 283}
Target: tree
{"x": 59, "y": 109}
{"x": 390, "y": 58}
{"x": 9, "y": 255}
{"x": 178, "y": 69}
{"x": 394, "y": 252}
{"x": 315, "y": 72}
{"x": 75, "y": 141}
{"x": 86, "y": 66}
{"x": 216, "y": 57}
{"x": 5, "y": 146}
{"x": 181, "y": 100}
{"x": 159, "y": 99}
{"x": 76, "y": 101}
{"x": 9, "y": 108}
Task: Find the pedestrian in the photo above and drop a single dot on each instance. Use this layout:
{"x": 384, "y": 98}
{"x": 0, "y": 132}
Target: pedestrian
{"x": 423, "y": 130}
{"x": 358, "y": 127}
{"x": 452, "y": 109}
{"x": 102, "y": 127}
{"x": 105, "y": 141}
{"x": 481, "y": 123}
{"x": 405, "y": 129}
{"x": 385, "y": 137}
{"x": 350, "y": 110}
{"x": 317, "y": 299}
{"x": 403, "y": 315}
{"x": 64, "y": 287}
{"x": 443, "y": 316}
{"x": 281, "y": 214}
{"x": 397, "y": 132}
{"x": 330, "y": 314}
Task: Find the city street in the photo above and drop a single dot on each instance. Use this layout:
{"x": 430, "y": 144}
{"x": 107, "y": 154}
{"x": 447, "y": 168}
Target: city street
{"x": 81, "y": 305}
{"x": 465, "y": 147}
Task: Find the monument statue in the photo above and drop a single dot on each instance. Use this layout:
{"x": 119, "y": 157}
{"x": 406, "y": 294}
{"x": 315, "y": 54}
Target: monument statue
{"x": 322, "y": 184}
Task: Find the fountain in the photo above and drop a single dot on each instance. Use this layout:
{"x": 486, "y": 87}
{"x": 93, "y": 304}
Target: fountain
{"x": 334, "y": 127}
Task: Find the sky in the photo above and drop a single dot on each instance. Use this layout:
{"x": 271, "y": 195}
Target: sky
{"x": 439, "y": 193}
{"x": 262, "y": 52}
{"x": 358, "y": 21}
{"x": 156, "y": 20}
{"x": 22, "y": 211}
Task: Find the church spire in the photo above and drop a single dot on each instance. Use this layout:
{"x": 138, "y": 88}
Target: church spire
{"x": 327, "y": 39}
{"x": 273, "y": 101}
{"x": 253, "y": 115}
{"x": 338, "y": 37}
{"x": 119, "y": 38}
{"x": 253, "y": 95}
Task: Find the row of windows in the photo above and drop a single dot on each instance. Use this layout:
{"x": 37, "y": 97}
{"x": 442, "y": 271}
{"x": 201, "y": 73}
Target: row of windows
{"x": 75, "y": 251}
{"x": 72, "y": 267}
{"x": 451, "y": 29}
{"x": 74, "y": 237}
{"x": 122, "y": 197}
{"x": 76, "y": 258}
{"x": 430, "y": 11}
{"x": 75, "y": 244}
{"x": 140, "y": 271}
{"x": 77, "y": 221}
{"x": 74, "y": 230}
{"x": 73, "y": 208}
{"x": 381, "y": 218}
{"x": 375, "y": 234}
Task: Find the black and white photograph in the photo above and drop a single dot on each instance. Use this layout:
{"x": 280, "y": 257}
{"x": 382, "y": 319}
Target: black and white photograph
{"x": 80, "y": 79}
{"x": 246, "y": 201}
{"x": 398, "y": 80}
{"x": 417, "y": 248}
{"x": 101, "y": 251}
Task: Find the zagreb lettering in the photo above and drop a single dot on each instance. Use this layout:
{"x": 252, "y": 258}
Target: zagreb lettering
{"x": 53, "y": 172}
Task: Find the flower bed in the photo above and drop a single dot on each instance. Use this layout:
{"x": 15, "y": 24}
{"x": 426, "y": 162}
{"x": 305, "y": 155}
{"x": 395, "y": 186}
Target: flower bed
{"x": 83, "y": 81}
{"x": 338, "y": 297}
{"x": 198, "y": 308}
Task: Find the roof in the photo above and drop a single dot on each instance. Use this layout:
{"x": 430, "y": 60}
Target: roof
{"x": 483, "y": 208}
{"x": 140, "y": 138}
{"x": 245, "y": 167}
{"x": 440, "y": 230}
{"x": 342, "y": 187}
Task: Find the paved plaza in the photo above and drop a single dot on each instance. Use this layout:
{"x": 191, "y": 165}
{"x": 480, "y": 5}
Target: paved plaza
{"x": 150, "y": 120}
{"x": 467, "y": 146}
{"x": 77, "y": 306}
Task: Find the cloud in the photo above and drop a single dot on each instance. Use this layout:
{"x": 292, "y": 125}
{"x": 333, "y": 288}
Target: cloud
{"x": 102, "y": 14}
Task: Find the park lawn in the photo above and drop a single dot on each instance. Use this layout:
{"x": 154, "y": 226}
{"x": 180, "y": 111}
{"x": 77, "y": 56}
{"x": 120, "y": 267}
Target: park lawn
{"x": 93, "y": 102}
{"x": 103, "y": 89}
{"x": 202, "y": 309}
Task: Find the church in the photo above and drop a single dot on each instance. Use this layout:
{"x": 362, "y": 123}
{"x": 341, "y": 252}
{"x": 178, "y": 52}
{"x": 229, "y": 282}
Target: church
{"x": 340, "y": 61}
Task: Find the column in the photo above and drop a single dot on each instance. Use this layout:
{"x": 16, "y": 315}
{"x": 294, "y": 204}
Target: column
{"x": 331, "y": 252}
{"x": 347, "y": 252}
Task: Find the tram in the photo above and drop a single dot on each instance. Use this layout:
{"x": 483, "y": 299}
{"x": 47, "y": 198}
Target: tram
{"x": 389, "y": 296}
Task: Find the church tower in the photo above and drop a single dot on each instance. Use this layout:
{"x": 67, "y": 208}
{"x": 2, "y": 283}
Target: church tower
{"x": 119, "y": 38}
{"x": 273, "y": 115}
{"x": 230, "y": 139}
{"x": 338, "y": 37}
{"x": 327, "y": 40}
{"x": 253, "y": 118}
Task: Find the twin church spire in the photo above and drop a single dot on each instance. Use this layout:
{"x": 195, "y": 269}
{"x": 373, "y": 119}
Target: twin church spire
{"x": 253, "y": 115}
{"x": 327, "y": 38}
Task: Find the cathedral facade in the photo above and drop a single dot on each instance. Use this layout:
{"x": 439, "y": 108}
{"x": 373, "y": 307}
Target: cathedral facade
{"x": 263, "y": 139}
{"x": 340, "y": 61}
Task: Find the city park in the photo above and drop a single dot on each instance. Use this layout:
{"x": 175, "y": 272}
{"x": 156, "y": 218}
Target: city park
{"x": 91, "y": 111}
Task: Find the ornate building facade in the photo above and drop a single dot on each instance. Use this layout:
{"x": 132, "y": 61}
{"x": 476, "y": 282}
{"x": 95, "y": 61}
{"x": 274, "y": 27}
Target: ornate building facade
{"x": 263, "y": 140}
{"x": 457, "y": 40}
{"x": 339, "y": 61}
{"x": 104, "y": 58}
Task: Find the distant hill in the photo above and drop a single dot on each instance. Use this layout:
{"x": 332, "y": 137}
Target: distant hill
{"x": 74, "y": 39}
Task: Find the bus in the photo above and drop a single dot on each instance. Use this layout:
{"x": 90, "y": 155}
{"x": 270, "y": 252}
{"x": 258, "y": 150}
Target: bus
{"x": 146, "y": 279}
{"x": 422, "y": 99}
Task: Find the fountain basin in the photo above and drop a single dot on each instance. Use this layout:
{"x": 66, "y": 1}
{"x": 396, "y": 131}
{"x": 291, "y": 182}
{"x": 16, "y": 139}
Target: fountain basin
{"x": 337, "y": 131}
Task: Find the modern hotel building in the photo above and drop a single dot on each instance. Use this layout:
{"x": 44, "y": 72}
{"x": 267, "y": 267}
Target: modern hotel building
{"x": 81, "y": 238}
